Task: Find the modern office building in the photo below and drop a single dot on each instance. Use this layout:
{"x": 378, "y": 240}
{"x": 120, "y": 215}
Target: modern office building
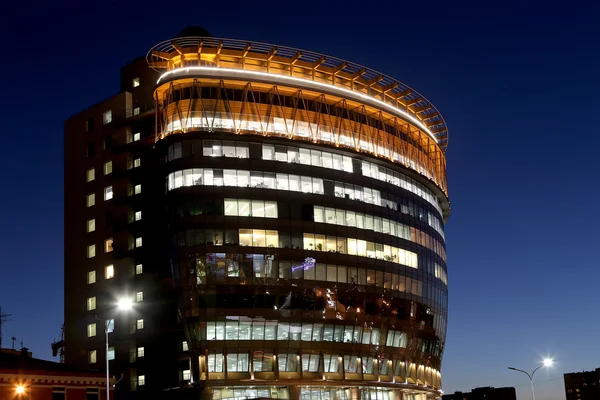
{"x": 276, "y": 215}
{"x": 583, "y": 385}
{"x": 484, "y": 393}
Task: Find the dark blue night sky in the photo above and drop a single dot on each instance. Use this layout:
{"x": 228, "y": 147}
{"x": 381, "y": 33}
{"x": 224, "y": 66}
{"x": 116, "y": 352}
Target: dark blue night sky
{"x": 518, "y": 85}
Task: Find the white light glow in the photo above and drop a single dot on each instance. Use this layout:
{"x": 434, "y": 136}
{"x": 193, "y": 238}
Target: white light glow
{"x": 306, "y": 82}
{"x": 548, "y": 362}
{"x": 20, "y": 389}
{"x": 125, "y": 304}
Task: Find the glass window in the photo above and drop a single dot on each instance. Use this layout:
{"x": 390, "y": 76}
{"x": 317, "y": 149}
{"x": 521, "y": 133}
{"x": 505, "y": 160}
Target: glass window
{"x": 268, "y": 152}
{"x": 91, "y": 303}
{"x": 245, "y": 237}
{"x": 90, "y": 200}
{"x": 107, "y": 167}
{"x": 215, "y": 363}
{"x": 139, "y": 324}
{"x": 91, "y": 251}
{"x": 237, "y": 362}
{"x": 137, "y": 162}
{"x": 139, "y": 269}
{"x": 107, "y": 117}
{"x": 263, "y": 362}
{"x": 231, "y": 207}
{"x": 139, "y": 296}
{"x": 241, "y": 150}
{"x": 305, "y": 156}
{"x": 186, "y": 375}
{"x": 136, "y": 111}
{"x": 108, "y": 193}
{"x": 90, "y": 175}
{"x": 271, "y": 209}
{"x": 137, "y": 136}
{"x": 109, "y": 272}
{"x": 138, "y": 215}
{"x": 135, "y": 82}
{"x": 91, "y": 225}
{"x": 92, "y": 356}
{"x": 258, "y": 208}
{"x": 228, "y": 148}
{"x": 141, "y": 352}
{"x": 108, "y": 245}
{"x": 258, "y": 238}
{"x": 91, "y": 277}
{"x": 111, "y": 353}
{"x": 137, "y": 189}
{"x": 141, "y": 380}
{"x": 138, "y": 242}
{"x": 287, "y": 362}
{"x": 310, "y": 362}
{"x": 91, "y": 330}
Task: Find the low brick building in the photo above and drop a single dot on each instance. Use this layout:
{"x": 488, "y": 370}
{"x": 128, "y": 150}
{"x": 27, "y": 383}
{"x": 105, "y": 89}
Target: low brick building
{"x": 25, "y": 378}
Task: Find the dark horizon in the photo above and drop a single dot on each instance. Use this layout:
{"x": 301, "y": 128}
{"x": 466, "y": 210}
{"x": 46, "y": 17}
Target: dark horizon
{"x": 517, "y": 85}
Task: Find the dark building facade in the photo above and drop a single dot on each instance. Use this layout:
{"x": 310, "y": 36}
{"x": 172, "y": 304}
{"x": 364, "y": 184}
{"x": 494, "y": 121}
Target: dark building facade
{"x": 276, "y": 215}
{"x": 583, "y": 385}
{"x": 484, "y": 393}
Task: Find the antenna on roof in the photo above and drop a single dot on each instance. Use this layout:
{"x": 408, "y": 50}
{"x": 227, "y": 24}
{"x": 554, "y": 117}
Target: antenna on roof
{"x": 3, "y": 318}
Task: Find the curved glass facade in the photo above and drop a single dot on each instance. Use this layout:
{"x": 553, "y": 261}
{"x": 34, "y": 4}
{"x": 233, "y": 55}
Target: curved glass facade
{"x": 307, "y": 232}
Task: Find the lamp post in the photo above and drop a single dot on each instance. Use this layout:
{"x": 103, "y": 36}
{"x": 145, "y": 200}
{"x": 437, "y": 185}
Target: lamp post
{"x": 546, "y": 363}
{"x": 124, "y": 304}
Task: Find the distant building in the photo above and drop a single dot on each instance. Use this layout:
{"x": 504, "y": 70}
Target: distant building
{"x": 484, "y": 393}
{"x": 15, "y": 351}
{"x": 583, "y": 385}
{"x": 26, "y": 378}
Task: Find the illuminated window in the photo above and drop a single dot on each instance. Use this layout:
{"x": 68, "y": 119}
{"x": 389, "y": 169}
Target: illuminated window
{"x": 91, "y": 225}
{"x": 136, "y": 136}
{"x": 109, "y": 272}
{"x": 138, "y": 215}
{"x": 91, "y": 330}
{"x": 138, "y": 242}
{"x": 90, "y": 200}
{"x": 92, "y": 357}
{"x": 215, "y": 363}
{"x": 108, "y": 193}
{"x": 237, "y": 362}
{"x": 111, "y": 353}
{"x": 136, "y": 111}
{"x": 287, "y": 362}
{"x": 140, "y": 352}
{"x": 108, "y": 245}
{"x": 91, "y": 303}
{"x": 137, "y": 162}
{"x": 91, "y": 251}
{"x": 90, "y": 175}
{"x": 184, "y": 346}
{"x": 186, "y": 374}
{"x": 139, "y": 324}
{"x": 107, "y": 117}
{"x": 139, "y": 269}
{"x": 139, "y": 296}
{"x": 137, "y": 189}
{"x": 107, "y": 167}
{"x": 141, "y": 380}
{"x": 91, "y": 277}
{"x": 110, "y": 325}
{"x": 135, "y": 82}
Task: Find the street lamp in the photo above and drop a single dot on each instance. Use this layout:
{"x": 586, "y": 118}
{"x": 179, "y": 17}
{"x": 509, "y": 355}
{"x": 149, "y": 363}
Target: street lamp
{"x": 124, "y": 304}
{"x": 546, "y": 363}
{"x": 20, "y": 389}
